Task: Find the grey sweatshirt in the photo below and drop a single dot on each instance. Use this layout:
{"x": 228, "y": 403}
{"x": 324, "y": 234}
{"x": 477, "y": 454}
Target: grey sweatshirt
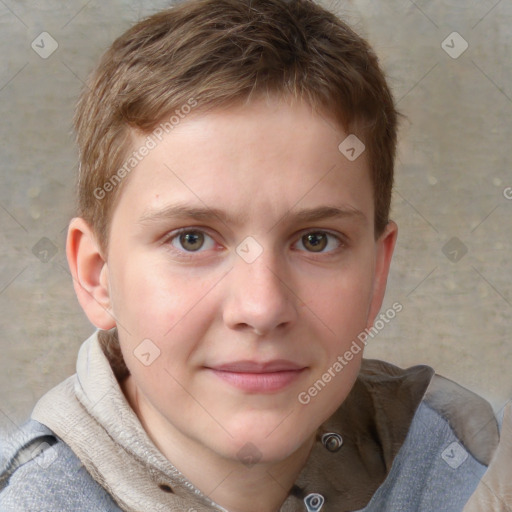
{"x": 85, "y": 450}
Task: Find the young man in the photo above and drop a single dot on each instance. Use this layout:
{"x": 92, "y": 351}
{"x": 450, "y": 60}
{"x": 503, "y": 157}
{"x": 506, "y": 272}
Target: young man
{"x": 232, "y": 247}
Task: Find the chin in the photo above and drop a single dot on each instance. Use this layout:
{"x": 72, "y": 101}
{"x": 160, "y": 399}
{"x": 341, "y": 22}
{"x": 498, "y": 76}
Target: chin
{"x": 265, "y": 443}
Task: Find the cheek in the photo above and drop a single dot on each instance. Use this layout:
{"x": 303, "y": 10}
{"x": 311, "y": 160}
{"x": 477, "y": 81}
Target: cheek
{"x": 342, "y": 301}
{"x": 172, "y": 310}
{"x": 152, "y": 299}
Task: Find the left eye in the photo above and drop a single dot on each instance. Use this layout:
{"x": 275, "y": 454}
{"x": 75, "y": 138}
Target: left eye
{"x": 192, "y": 241}
{"x": 317, "y": 241}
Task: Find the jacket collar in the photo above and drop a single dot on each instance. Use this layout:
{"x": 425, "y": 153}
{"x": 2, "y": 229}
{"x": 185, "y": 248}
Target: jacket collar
{"x": 350, "y": 459}
{"x": 373, "y": 422}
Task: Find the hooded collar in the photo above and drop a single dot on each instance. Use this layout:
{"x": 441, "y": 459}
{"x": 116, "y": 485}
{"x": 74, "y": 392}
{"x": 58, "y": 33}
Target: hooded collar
{"x": 352, "y": 455}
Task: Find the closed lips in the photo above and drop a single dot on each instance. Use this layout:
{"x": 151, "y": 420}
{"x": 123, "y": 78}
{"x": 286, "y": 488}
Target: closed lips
{"x": 256, "y": 377}
{"x": 256, "y": 367}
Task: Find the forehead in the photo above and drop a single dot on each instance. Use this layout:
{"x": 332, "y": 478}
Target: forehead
{"x": 260, "y": 160}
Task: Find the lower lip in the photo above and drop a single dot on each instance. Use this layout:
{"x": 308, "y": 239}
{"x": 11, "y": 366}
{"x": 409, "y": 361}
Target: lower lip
{"x": 259, "y": 382}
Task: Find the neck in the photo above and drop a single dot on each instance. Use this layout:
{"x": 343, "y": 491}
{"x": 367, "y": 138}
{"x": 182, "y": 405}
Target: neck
{"x": 235, "y": 486}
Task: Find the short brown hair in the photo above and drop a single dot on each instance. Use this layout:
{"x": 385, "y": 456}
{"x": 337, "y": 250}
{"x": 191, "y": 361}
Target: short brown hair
{"x": 222, "y": 52}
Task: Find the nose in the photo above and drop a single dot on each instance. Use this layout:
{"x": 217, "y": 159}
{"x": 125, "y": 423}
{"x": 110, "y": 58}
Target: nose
{"x": 259, "y": 298}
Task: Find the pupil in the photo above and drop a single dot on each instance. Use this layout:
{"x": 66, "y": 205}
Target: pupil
{"x": 316, "y": 241}
{"x": 192, "y": 241}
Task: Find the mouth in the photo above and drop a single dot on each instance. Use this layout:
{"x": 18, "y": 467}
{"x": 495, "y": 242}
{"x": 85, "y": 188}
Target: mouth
{"x": 259, "y": 377}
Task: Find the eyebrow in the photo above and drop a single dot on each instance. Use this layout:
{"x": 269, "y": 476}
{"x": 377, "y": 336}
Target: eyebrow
{"x": 185, "y": 211}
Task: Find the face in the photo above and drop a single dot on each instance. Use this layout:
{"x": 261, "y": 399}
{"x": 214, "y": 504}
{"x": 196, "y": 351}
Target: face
{"x": 243, "y": 249}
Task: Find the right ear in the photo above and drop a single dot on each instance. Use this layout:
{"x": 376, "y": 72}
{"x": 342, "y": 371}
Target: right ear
{"x": 90, "y": 274}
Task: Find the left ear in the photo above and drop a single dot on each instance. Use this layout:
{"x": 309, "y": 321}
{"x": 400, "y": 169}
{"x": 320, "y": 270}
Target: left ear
{"x": 383, "y": 253}
{"x": 90, "y": 274}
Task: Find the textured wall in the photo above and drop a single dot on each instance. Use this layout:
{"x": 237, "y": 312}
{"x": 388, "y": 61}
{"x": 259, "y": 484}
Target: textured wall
{"x": 453, "y": 178}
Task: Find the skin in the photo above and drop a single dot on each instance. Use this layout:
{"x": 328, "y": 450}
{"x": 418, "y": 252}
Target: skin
{"x": 261, "y": 164}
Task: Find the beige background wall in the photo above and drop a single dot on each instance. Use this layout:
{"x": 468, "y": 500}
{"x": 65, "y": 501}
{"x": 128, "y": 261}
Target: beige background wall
{"x": 453, "y": 174}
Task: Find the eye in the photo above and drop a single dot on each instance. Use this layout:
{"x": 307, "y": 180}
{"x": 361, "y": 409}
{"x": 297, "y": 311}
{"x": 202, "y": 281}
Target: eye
{"x": 191, "y": 241}
{"x": 317, "y": 241}
{"x": 195, "y": 240}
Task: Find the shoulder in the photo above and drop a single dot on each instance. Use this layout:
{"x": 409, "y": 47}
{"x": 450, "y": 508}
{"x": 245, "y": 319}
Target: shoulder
{"x": 432, "y": 471}
{"x": 470, "y": 416}
{"x": 450, "y": 438}
{"x": 39, "y": 472}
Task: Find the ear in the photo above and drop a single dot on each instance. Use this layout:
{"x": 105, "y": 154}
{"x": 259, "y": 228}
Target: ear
{"x": 90, "y": 274}
{"x": 383, "y": 254}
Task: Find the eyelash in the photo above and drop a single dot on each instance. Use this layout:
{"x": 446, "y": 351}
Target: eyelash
{"x": 190, "y": 254}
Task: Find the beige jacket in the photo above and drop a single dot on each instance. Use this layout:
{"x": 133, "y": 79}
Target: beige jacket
{"x": 90, "y": 413}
